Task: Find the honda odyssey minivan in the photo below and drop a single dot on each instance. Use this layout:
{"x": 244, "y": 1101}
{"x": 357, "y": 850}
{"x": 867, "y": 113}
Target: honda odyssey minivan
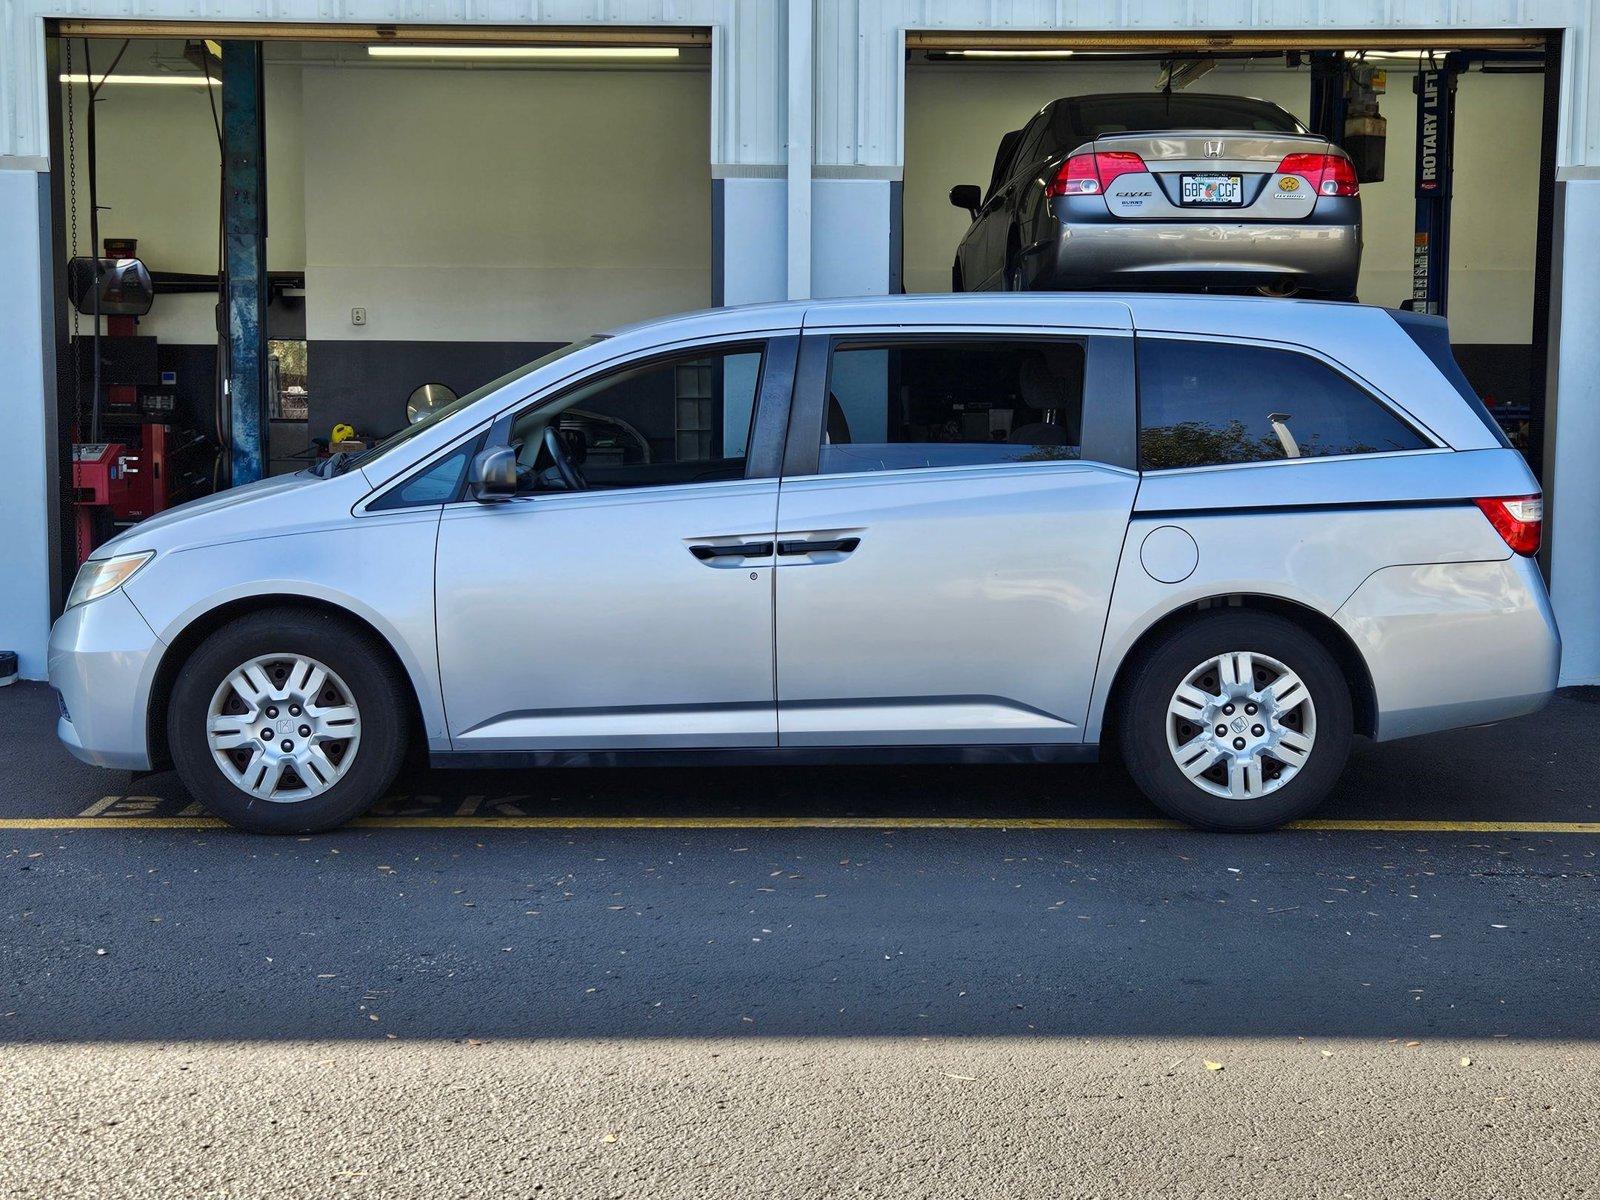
{"x": 1223, "y": 535}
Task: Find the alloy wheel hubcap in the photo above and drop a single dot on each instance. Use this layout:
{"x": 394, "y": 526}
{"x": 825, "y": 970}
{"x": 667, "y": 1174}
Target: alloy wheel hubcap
{"x": 283, "y": 727}
{"x": 1241, "y": 725}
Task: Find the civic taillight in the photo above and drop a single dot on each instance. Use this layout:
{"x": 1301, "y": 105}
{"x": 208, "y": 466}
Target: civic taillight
{"x": 1518, "y": 519}
{"x": 1091, "y": 174}
{"x": 1328, "y": 174}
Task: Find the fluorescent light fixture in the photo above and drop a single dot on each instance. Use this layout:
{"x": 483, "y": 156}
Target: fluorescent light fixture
{"x": 532, "y": 53}
{"x": 148, "y": 80}
{"x": 1013, "y": 53}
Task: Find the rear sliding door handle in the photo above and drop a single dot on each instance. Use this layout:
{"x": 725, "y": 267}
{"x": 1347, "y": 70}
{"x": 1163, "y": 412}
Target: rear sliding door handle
{"x": 742, "y": 550}
{"x": 842, "y": 545}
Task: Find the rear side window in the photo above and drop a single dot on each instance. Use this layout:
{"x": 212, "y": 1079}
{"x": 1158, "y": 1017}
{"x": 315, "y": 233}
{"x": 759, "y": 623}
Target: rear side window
{"x": 1002, "y": 161}
{"x": 952, "y": 404}
{"x": 1204, "y": 404}
{"x": 1030, "y": 146}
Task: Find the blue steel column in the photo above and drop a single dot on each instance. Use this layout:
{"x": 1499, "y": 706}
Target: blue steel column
{"x": 244, "y": 232}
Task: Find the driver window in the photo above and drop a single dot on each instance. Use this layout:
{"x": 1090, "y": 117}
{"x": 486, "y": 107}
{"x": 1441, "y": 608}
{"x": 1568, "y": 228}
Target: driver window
{"x": 672, "y": 421}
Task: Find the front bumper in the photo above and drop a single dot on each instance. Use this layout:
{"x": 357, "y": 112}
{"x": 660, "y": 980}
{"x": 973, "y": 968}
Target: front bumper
{"x": 102, "y": 658}
{"x": 1091, "y": 249}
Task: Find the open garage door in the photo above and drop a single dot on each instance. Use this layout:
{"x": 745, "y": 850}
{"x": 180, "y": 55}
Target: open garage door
{"x": 435, "y": 210}
{"x": 1476, "y": 247}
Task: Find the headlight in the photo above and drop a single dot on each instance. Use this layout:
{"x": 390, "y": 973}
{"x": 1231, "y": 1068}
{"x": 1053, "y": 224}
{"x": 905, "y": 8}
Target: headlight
{"x": 97, "y": 577}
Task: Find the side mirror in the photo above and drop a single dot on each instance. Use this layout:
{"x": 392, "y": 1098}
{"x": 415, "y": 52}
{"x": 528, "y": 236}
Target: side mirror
{"x": 493, "y": 475}
{"x": 968, "y": 196}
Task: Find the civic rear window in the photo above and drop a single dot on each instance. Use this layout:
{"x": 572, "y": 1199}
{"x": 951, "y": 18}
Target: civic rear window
{"x": 1432, "y": 337}
{"x": 1205, "y": 404}
{"x": 1101, "y": 116}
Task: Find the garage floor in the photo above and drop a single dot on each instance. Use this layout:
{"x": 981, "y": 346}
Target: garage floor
{"x": 462, "y": 1006}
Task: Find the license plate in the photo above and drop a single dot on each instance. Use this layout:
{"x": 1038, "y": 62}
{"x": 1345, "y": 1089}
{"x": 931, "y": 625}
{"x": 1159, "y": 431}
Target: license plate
{"x": 1212, "y": 189}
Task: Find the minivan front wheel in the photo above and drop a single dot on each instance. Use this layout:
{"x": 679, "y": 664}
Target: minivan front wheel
{"x": 1236, "y": 720}
{"x": 287, "y": 721}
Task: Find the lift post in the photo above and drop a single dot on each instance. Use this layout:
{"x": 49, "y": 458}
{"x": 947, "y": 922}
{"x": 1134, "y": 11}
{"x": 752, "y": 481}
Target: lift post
{"x": 1436, "y": 133}
{"x": 244, "y": 232}
{"x": 1328, "y": 75}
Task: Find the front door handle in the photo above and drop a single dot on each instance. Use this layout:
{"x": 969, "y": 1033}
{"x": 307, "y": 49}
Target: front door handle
{"x": 843, "y": 545}
{"x": 742, "y": 550}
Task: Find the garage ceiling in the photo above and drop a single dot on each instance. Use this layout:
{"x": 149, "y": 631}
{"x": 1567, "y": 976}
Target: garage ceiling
{"x": 1310, "y": 39}
{"x": 482, "y": 35}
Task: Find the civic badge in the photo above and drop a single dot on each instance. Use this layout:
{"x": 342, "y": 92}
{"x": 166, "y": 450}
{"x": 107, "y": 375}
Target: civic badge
{"x": 1214, "y": 149}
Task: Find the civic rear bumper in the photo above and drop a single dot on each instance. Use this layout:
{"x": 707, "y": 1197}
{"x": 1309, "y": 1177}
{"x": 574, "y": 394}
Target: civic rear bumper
{"x": 101, "y": 660}
{"x": 1092, "y": 250}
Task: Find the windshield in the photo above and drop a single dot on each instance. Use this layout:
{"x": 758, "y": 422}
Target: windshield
{"x": 1098, "y": 116}
{"x": 472, "y": 397}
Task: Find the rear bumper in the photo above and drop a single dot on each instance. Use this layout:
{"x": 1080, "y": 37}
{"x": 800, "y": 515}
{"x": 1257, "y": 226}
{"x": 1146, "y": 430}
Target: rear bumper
{"x": 1455, "y": 644}
{"x": 1092, "y": 249}
{"x": 102, "y": 657}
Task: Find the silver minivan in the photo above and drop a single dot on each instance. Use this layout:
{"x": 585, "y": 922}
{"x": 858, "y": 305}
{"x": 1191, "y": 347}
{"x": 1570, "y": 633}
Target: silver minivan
{"x": 1219, "y": 535}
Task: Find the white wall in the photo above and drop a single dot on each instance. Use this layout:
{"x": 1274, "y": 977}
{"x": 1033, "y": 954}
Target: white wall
{"x": 850, "y": 235}
{"x": 159, "y": 178}
{"x": 29, "y": 442}
{"x": 956, "y": 113}
{"x": 453, "y": 205}
{"x": 503, "y": 205}
{"x": 755, "y": 230}
{"x": 1574, "y": 481}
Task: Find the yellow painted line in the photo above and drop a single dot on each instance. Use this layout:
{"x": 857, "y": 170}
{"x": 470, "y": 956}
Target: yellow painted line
{"x": 1000, "y": 823}
{"x": 1399, "y": 826}
{"x": 111, "y": 823}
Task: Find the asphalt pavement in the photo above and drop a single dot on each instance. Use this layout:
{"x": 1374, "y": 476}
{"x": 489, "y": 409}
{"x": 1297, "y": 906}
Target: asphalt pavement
{"x": 929, "y": 982}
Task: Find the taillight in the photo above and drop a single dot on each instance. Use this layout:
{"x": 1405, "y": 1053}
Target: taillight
{"x": 1091, "y": 174}
{"x": 1518, "y": 519}
{"x": 1328, "y": 174}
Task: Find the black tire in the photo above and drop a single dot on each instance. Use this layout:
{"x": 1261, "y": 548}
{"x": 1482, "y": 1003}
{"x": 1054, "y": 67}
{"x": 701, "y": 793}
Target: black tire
{"x": 366, "y": 669}
{"x": 1160, "y": 669}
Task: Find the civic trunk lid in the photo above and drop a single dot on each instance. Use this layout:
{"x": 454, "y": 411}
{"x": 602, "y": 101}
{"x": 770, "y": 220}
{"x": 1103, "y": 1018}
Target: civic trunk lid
{"x": 1207, "y": 176}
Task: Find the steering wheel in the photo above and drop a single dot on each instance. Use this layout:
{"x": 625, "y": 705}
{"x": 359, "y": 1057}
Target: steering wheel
{"x": 571, "y": 477}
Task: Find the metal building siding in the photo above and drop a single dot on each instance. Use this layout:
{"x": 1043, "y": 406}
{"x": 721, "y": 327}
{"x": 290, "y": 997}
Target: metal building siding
{"x": 747, "y": 74}
{"x": 859, "y": 76}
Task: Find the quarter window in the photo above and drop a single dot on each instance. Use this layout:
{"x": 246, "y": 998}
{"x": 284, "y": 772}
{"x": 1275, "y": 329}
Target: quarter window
{"x": 1207, "y": 403}
{"x": 950, "y": 404}
{"x": 437, "y": 483}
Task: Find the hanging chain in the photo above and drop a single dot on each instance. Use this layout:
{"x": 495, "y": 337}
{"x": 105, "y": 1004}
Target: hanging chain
{"x": 72, "y": 249}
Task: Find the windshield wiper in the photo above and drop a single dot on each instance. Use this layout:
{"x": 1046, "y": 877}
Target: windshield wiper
{"x": 333, "y": 465}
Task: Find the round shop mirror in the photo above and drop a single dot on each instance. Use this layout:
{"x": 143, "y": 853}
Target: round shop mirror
{"x": 427, "y": 399}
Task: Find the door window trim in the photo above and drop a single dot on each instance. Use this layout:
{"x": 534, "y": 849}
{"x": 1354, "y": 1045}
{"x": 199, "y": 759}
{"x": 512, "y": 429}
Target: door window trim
{"x": 763, "y": 451}
{"x": 1110, "y": 426}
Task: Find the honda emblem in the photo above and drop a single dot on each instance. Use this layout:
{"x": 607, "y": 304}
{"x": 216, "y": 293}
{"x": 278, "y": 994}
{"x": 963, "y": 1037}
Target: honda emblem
{"x": 1213, "y": 149}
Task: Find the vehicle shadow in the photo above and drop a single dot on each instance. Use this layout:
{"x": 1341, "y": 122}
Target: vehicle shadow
{"x": 1535, "y": 768}
{"x": 182, "y": 934}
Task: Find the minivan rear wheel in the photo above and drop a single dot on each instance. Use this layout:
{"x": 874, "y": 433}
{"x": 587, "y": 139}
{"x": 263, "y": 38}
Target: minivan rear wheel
{"x": 288, "y": 721}
{"x": 1236, "y": 720}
